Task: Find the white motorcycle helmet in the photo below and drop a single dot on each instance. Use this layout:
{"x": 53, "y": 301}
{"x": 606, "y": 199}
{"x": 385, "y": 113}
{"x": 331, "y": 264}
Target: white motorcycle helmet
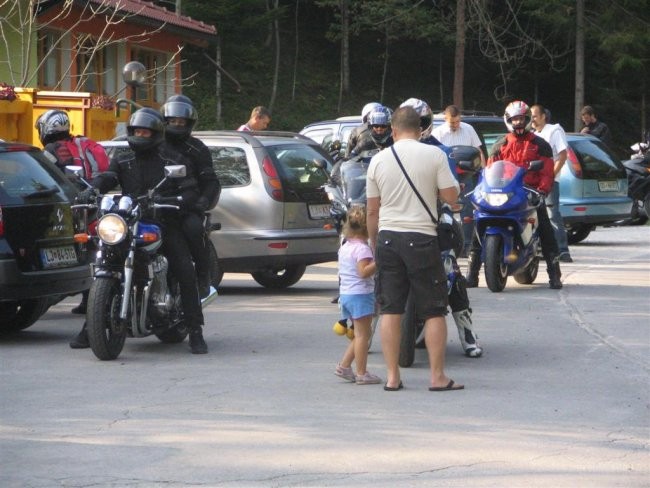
{"x": 514, "y": 109}
{"x": 367, "y": 108}
{"x": 425, "y": 113}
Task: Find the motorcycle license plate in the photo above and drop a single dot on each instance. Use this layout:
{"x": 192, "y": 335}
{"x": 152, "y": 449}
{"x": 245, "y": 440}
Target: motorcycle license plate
{"x": 320, "y": 211}
{"x": 608, "y": 185}
{"x": 53, "y": 257}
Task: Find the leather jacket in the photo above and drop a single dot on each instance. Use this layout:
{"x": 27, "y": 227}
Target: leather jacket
{"x": 521, "y": 150}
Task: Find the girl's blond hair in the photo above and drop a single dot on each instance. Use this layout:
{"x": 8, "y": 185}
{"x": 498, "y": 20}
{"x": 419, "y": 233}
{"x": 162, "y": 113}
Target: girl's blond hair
{"x": 355, "y": 223}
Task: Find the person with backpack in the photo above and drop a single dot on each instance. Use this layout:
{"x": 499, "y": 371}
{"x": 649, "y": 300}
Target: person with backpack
{"x": 180, "y": 118}
{"x": 54, "y": 133}
{"x": 64, "y": 149}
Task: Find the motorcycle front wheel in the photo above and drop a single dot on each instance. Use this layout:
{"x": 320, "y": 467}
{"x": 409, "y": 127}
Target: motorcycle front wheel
{"x": 106, "y": 333}
{"x": 496, "y": 271}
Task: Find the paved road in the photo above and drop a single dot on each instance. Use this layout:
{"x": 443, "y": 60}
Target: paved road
{"x": 560, "y": 398}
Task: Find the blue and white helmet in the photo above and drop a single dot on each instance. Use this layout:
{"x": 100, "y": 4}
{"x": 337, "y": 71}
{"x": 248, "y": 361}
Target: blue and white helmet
{"x": 425, "y": 113}
{"x": 380, "y": 116}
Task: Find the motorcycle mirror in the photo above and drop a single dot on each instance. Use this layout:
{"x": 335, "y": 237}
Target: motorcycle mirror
{"x": 176, "y": 171}
{"x": 535, "y": 165}
{"x": 319, "y": 163}
{"x": 77, "y": 171}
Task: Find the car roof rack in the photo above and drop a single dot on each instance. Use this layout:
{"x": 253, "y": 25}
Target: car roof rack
{"x": 250, "y": 136}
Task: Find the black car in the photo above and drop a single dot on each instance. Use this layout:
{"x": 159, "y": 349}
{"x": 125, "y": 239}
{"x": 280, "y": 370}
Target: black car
{"x": 39, "y": 259}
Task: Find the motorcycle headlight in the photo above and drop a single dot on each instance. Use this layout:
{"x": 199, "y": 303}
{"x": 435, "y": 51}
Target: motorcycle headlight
{"x": 496, "y": 199}
{"x": 111, "y": 229}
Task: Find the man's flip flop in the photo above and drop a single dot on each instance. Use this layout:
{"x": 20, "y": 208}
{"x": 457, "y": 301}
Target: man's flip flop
{"x": 394, "y": 388}
{"x": 450, "y": 386}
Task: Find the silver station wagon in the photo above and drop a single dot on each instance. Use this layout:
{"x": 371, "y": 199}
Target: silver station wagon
{"x": 273, "y": 211}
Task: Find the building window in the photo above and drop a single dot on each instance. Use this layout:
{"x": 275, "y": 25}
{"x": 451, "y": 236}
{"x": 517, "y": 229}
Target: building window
{"x": 49, "y": 52}
{"x": 154, "y": 93}
{"x": 96, "y": 67}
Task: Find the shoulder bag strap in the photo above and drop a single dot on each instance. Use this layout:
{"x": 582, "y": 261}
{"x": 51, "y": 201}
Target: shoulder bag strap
{"x": 417, "y": 193}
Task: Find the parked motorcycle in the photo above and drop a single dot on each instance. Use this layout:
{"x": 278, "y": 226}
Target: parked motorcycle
{"x": 133, "y": 292}
{"x": 506, "y": 222}
{"x": 638, "y": 181}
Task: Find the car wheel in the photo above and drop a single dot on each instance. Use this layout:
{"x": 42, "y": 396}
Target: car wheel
{"x": 578, "y": 233}
{"x": 280, "y": 278}
{"x": 216, "y": 272}
{"x": 18, "y": 315}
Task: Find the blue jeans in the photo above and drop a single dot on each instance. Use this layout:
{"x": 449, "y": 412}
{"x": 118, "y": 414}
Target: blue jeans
{"x": 553, "y": 206}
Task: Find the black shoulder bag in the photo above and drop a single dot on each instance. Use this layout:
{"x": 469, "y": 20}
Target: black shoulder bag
{"x": 448, "y": 236}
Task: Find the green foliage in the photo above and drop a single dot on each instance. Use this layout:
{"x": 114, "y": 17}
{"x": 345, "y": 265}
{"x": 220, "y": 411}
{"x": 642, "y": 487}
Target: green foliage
{"x": 421, "y": 36}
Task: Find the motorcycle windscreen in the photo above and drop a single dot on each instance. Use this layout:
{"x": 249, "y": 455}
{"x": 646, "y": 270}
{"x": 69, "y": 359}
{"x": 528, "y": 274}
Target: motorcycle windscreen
{"x": 353, "y": 177}
{"x": 500, "y": 174}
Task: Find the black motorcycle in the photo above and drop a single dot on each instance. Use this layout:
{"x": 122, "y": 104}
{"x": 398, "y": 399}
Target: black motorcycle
{"x": 133, "y": 292}
{"x": 638, "y": 181}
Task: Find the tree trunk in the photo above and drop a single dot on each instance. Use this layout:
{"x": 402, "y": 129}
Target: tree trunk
{"x": 345, "y": 53}
{"x": 218, "y": 76}
{"x": 295, "y": 59}
{"x": 276, "y": 71}
{"x": 580, "y": 64}
{"x": 385, "y": 69}
{"x": 459, "y": 58}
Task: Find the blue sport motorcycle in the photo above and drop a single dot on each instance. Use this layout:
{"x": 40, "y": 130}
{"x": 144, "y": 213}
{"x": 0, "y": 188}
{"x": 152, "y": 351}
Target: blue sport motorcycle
{"x": 505, "y": 216}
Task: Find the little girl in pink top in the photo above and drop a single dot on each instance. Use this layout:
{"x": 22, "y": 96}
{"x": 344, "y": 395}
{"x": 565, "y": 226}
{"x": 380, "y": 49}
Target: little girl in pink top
{"x": 357, "y": 296}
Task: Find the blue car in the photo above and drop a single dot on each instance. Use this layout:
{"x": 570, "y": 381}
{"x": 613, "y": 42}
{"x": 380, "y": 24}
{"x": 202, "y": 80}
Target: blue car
{"x": 593, "y": 187}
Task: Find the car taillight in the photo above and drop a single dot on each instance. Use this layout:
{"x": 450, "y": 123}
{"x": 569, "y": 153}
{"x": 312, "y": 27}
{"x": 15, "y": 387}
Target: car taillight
{"x": 2, "y": 224}
{"x": 273, "y": 178}
{"x": 576, "y": 169}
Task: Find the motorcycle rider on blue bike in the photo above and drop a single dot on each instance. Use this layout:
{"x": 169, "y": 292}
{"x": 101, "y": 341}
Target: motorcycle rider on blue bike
{"x": 142, "y": 170}
{"x": 521, "y": 146}
{"x": 458, "y": 298}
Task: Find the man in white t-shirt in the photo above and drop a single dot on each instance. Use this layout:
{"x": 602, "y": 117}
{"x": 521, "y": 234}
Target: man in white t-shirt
{"x": 453, "y": 132}
{"x": 406, "y": 249}
{"x": 556, "y": 137}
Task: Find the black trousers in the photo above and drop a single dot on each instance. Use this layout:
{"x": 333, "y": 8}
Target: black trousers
{"x": 546, "y": 236}
{"x": 192, "y": 227}
{"x": 176, "y": 249}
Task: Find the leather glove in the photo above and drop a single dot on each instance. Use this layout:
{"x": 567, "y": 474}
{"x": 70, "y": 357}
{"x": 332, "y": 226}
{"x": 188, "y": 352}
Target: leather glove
{"x": 87, "y": 196}
{"x": 202, "y": 204}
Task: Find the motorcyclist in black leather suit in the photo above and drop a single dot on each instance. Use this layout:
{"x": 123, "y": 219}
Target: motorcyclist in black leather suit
{"x": 180, "y": 118}
{"x": 138, "y": 172}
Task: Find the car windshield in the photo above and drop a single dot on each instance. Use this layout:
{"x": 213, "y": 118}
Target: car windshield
{"x": 596, "y": 160}
{"x": 29, "y": 175}
{"x": 500, "y": 173}
{"x": 490, "y": 131}
{"x": 298, "y": 165}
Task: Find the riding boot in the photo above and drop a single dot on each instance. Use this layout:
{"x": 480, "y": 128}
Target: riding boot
{"x": 81, "y": 308}
{"x": 197, "y": 343}
{"x": 554, "y": 273}
{"x": 81, "y": 339}
{"x": 468, "y": 339}
{"x": 473, "y": 267}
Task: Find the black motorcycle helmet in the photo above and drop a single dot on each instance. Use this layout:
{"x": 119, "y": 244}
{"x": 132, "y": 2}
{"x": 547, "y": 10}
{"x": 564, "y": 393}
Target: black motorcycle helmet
{"x": 145, "y": 118}
{"x": 179, "y": 106}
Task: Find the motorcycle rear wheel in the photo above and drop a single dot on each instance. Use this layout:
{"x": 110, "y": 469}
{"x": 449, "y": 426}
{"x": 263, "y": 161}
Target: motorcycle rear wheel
{"x": 528, "y": 275}
{"x": 496, "y": 271}
{"x": 105, "y": 332}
